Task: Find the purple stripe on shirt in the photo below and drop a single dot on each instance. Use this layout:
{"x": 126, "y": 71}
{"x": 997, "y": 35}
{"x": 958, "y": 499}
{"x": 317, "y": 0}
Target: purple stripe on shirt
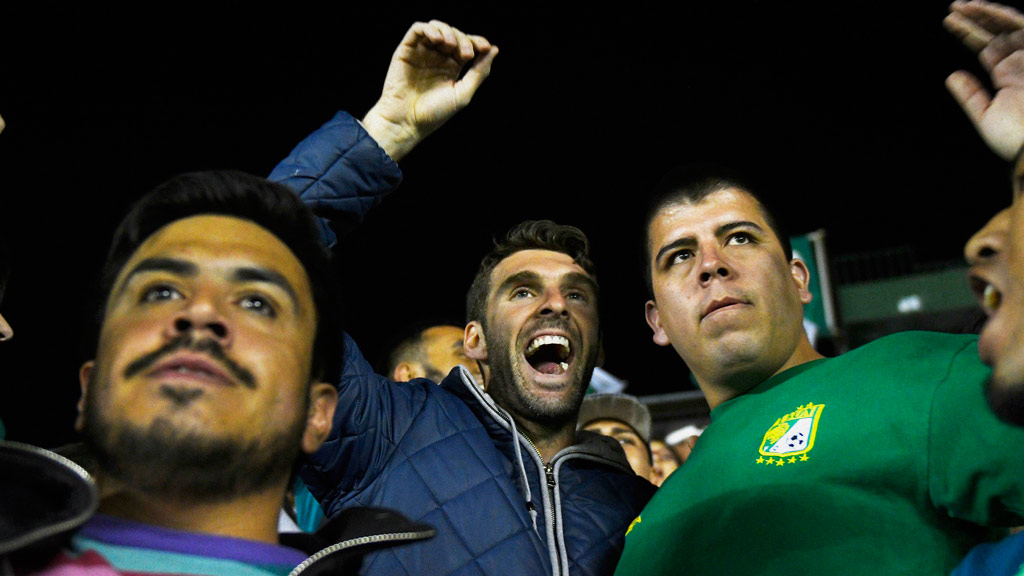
{"x": 121, "y": 532}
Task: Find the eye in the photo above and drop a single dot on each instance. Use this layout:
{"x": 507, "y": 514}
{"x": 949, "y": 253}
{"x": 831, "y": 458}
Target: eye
{"x": 679, "y": 257}
{"x": 160, "y": 293}
{"x": 740, "y": 238}
{"x": 258, "y": 304}
{"x": 626, "y": 441}
{"x": 521, "y": 293}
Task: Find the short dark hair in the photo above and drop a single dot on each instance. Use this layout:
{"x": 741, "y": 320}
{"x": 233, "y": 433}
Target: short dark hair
{"x": 267, "y": 204}
{"x": 528, "y": 235}
{"x": 692, "y": 183}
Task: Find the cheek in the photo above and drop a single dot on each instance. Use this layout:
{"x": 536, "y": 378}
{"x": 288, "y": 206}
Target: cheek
{"x": 1016, "y": 241}
{"x": 123, "y": 341}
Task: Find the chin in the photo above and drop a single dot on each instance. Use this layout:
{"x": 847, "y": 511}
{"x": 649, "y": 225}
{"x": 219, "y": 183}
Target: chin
{"x": 1005, "y": 390}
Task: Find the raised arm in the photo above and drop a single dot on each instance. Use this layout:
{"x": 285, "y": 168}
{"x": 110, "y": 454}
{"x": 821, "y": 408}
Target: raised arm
{"x": 342, "y": 171}
{"x": 996, "y": 33}
{"x": 345, "y": 168}
{"x": 434, "y": 73}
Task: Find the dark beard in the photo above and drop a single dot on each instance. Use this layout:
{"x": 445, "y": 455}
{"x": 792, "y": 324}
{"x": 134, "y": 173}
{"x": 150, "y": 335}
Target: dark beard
{"x": 1007, "y": 402}
{"x": 509, "y": 394}
{"x": 187, "y": 466}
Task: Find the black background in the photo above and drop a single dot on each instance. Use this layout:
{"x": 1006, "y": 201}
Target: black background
{"x": 585, "y": 108}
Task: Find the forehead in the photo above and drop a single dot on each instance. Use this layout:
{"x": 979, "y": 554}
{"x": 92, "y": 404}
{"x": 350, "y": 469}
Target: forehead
{"x": 217, "y": 243}
{"x": 681, "y": 218}
{"x": 610, "y": 427}
{"x": 547, "y": 264}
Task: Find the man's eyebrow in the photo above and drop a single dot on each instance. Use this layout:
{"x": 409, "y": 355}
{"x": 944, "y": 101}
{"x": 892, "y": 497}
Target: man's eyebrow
{"x": 160, "y": 264}
{"x": 726, "y": 228}
{"x": 185, "y": 268}
{"x": 686, "y": 241}
{"x": 523, "y": 277}
{"x": 578, "y": 278}
{"x": 677, "y": 243}
{"x": 266, "y": 275}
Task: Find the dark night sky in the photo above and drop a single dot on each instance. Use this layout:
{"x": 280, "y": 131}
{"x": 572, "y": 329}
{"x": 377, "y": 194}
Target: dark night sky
{"x": 843, "y": 108}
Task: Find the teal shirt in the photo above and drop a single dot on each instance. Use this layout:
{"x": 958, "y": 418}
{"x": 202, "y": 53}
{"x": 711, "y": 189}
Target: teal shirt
{"x": 884, "y": 460}
{"x": 308, "y": 512}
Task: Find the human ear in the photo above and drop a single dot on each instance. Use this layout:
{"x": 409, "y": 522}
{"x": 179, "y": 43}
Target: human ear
{"x": 802, "y": 276}
{"x": 84, "y": 375}
{"x": 474, "y": 342}
{"x": 403, "y": 372}
{"x": 654, "y": 321}
{"x": 323, "y": 398}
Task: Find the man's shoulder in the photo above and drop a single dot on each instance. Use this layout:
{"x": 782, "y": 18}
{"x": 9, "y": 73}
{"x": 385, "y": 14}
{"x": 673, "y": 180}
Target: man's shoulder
{"x": 904, "y": 350}
{"x": 919, "y": 340}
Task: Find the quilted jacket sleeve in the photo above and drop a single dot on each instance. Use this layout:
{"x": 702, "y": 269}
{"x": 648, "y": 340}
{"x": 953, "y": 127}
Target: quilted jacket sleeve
{"x": 373, "y": 415}
{"x": 340, "y": 172}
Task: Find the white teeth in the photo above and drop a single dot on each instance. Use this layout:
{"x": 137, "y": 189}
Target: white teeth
{"x": 564, "y": 366}
{"x": 543, "y": 340}
{"x": 991, "y": 297}
{"x": 188, "y": 370}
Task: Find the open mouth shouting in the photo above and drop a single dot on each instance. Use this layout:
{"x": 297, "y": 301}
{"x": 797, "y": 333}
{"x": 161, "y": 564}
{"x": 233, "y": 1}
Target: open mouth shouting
{"x": 549, "y": 354}
{"x": 988, "y": 296}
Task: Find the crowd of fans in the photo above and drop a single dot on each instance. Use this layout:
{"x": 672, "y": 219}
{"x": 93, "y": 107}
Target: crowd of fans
{"x": 230, "y": 425}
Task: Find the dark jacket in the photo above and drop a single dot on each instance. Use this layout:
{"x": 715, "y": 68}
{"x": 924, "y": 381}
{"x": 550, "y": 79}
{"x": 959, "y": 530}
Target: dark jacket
{"x": 449, "y": 456}
{"x": 45, "y": 498}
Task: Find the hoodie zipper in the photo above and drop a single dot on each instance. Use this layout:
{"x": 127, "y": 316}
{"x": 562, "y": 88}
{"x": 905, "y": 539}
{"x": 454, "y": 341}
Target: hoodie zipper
{"x": 549, "y": 475}
{"x": 362, "y": 540}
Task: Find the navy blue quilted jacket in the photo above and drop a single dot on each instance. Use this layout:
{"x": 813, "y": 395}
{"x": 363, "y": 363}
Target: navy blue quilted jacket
{"x": 447, "y": 455}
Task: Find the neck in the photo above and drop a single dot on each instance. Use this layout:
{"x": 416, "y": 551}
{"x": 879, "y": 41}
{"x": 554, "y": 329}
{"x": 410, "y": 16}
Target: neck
{"x": 252, "y": 517}
{"x": 548, "y": 440}
{"x": 722, "y": 387}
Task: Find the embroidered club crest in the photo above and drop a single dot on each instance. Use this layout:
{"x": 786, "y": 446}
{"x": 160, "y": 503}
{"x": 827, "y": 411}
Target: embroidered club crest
{"x": 793, "y": 434}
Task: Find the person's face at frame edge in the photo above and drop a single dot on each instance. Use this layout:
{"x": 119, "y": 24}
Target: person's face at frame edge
{"x": 996, "y": 256}
{"x": 6, "y": 332}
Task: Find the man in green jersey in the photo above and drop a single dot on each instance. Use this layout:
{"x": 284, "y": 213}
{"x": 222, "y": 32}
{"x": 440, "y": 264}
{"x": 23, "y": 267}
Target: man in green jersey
{"x": 883, "y": 460}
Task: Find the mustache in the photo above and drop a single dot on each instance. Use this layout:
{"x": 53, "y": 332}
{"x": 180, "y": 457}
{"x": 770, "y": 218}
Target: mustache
{"x": 186, "y": 342}
{"x": 553, "y": 323}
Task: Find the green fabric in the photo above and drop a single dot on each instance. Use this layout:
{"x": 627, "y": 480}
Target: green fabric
{"x": 891, "y": 463}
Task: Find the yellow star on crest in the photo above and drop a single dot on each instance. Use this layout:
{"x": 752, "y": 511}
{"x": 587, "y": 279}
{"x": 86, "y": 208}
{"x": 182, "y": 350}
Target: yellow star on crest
{"x": 779, "y": 462}
{"x": 792, "y": 460}
{"x": 804, "y": 458}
